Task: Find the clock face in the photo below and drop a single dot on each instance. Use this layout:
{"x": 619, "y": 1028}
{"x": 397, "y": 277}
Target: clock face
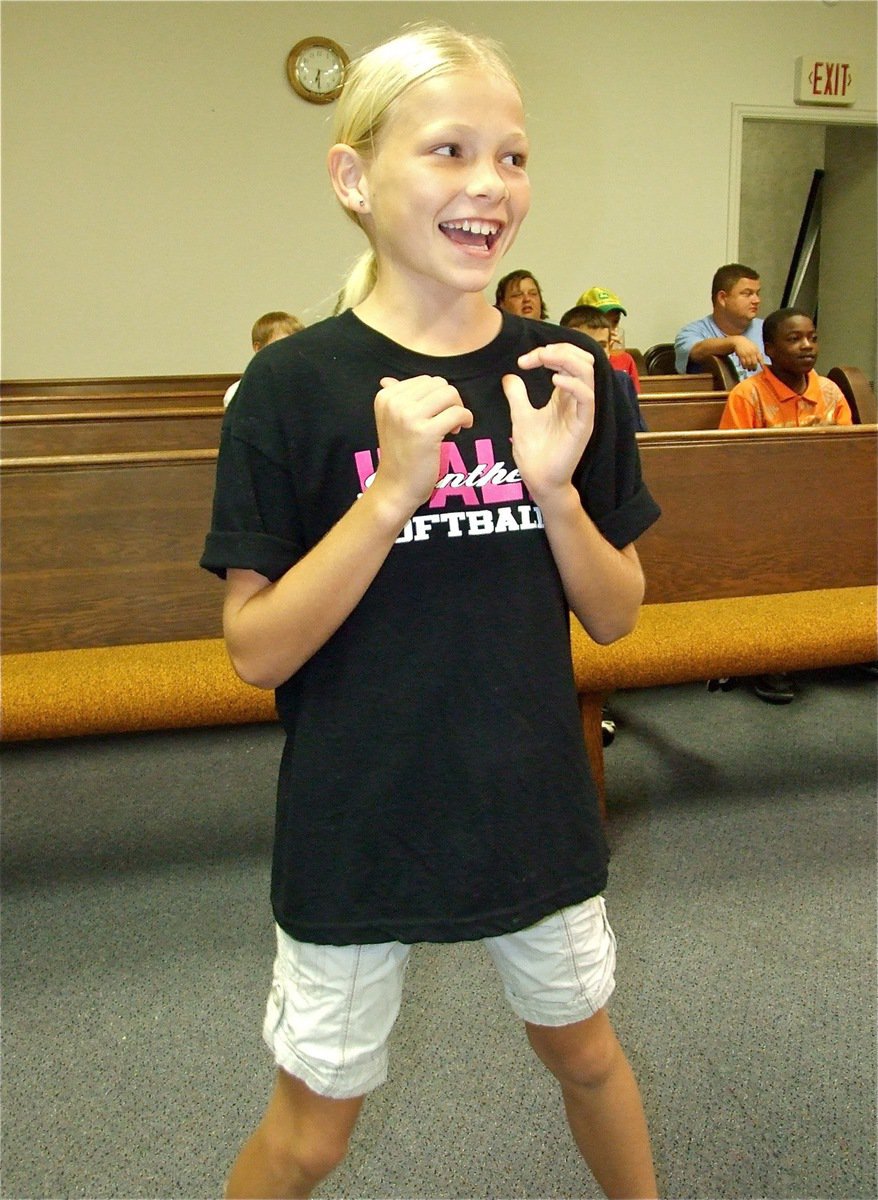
{"x": 319, "y": 70}
{"x": 315, "y": 69}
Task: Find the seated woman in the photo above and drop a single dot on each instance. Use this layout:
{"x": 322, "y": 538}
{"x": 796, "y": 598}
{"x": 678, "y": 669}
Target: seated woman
{"x": 518, "y": 292}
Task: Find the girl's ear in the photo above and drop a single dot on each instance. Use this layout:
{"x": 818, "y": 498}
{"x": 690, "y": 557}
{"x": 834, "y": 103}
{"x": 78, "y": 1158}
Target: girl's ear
{"x": 346, "y": 171}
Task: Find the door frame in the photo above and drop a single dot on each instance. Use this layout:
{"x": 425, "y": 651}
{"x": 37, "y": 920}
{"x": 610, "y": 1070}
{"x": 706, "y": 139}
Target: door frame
{"x": 816, "y": 114}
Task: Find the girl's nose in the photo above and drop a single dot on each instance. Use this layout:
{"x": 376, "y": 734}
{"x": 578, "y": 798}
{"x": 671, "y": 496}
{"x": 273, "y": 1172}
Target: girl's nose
{"x": 487, "y": 181}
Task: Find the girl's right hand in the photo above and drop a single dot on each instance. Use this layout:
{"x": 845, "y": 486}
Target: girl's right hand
{"x": 414, "y": 416}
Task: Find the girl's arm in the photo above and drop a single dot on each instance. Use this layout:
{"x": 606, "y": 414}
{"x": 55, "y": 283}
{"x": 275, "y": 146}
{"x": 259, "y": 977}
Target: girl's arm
{"x": 271, "y": 629}
{"x": 604, "y": 586}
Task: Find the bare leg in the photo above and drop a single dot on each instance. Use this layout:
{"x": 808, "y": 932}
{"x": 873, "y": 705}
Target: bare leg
{"x": 301, "y": 1138}
{"x": 602, "y": 1102}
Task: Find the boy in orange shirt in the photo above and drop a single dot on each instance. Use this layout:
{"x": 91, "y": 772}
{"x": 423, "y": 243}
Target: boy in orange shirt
{"x": 789, "y": 392}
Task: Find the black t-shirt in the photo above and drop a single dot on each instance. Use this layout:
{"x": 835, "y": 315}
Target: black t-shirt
{"x": 434, "y": 784}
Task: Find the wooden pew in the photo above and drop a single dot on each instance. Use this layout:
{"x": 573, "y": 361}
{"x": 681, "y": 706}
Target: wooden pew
{"x": 32, "y": 434}
{"x": 669, "y": 410}
{"x": 110, "y": 624}
{"x": 55, "y": 395}
{"x": 858, "y": 393}
{"x": 764, "y": 560}
{"x": 65, "y": 389}
{"x": 652, "y": 384}
{"x": 46, "y": 406}
{"x": 683, "y": 397}
{"x": 728, "y": 527}
{"x": 659, "y": 360}
{"x": 665, "y": 417}
{"x": 102, "y": 550}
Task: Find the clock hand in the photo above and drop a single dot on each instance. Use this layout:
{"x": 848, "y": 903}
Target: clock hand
{"x": 318, "y": 77}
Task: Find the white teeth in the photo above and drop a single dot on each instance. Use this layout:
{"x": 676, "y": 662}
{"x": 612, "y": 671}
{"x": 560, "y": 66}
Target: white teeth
{"x": 483, "y": 228}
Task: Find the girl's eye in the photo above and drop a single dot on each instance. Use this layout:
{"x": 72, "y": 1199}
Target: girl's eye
{"x": 449, "y": 150}
{"x": 515, "y": 160}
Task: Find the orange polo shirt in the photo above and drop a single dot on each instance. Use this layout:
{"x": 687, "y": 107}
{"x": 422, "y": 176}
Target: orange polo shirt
{"x": 763, "y": 402}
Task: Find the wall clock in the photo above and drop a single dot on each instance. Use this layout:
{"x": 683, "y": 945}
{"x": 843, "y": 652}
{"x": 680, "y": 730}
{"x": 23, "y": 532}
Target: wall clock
{"x": 315, "y": 69}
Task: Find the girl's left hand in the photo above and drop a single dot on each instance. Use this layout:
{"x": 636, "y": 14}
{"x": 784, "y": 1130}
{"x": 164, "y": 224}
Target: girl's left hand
{"x": 547, "y": 443}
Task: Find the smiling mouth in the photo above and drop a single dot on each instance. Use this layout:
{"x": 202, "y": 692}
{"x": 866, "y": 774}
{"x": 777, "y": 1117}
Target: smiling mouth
{"x": 471, "y": 232}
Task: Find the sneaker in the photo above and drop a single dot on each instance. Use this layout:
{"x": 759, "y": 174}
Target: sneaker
{"x": 608, "y": 728}
{"x": 724, "y": 684}
{"x": 774, "y": 689}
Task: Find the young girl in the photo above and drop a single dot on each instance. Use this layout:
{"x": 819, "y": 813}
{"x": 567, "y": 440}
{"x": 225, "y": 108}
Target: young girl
{"x": 410, "y": 498}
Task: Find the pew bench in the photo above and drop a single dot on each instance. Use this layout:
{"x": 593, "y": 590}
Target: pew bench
{"x": 128, "y": 385}
{"x": 764, "y": 560}
{"x": 103, "y": 549}
{"x": 690, "y": 408}
{"x": 108, "y": 623}
{"x": 134, "y": 687}
{"x": 31, "y": 435}
{"x": 663, "y": 416}
{"x": 739, "y": 581}
{"x": 123, "y": 402}
{"x": 651, "y": 385}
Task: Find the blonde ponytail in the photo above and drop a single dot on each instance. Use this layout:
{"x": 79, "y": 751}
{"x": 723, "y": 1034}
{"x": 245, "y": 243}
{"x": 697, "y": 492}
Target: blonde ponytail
{"x": 361, "y": 278}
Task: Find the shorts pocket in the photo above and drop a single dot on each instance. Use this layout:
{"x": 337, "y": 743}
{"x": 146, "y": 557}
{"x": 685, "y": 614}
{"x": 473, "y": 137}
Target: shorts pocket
{"x": 274, "y": 1011}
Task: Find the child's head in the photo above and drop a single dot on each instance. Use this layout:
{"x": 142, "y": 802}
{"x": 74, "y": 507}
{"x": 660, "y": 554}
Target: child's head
{"x": 790, "y": 339}
{"x": 273, "y": 325}
{"x": 518, "y": 292}
{"x": 399, "y": 87}
{"x": 608, "y": 302}
{"x": 597, "y": 324}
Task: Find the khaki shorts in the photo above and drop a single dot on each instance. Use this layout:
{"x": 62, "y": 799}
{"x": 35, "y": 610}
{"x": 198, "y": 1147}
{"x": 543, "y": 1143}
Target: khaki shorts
{"x": 331, "y": 1008}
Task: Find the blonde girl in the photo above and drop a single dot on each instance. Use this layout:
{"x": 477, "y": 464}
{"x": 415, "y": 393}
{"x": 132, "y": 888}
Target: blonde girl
{"x": 411, "y": 497}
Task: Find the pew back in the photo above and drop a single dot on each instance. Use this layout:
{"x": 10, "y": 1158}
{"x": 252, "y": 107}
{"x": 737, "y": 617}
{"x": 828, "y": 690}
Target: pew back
{"x": 751, "y": 512}
{"x": 103, "y": 550}
{"x": 116, "y": 386}
{"x": 49, "y": 406}
{"x": 29, "y": 435}
{"x": 857, "y": 391}
{"x": 663, "y": 417}
{"x": 652, "y": 384}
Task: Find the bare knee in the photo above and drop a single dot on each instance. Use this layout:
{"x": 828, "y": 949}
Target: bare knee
{"x": 583, "y": 1054}
{"x": 301, "y": 1139}
{"x": 301, "y": 1157}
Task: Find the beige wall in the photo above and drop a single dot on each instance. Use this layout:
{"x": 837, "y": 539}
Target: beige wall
{"x": 849, "y": 251}
{"x": 163, "y": 186}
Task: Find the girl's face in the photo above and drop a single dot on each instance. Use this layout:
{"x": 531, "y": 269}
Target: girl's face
{"x": 447, "y": 189}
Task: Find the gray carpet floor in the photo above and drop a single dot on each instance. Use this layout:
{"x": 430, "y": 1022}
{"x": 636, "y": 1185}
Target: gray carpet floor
{"x": 137, "y": 945}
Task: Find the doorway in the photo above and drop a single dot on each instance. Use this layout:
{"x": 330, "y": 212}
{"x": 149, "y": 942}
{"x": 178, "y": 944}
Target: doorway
{"x": 774, "y": 155}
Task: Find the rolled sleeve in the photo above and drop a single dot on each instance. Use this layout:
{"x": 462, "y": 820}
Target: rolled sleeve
{"x": 683, "y": 343}
{"x": 254, "y": 524}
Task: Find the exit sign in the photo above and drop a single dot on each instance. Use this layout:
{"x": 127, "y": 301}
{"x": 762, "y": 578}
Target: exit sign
{"x": 824, "y": 81}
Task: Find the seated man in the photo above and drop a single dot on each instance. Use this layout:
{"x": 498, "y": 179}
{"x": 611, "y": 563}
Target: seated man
{"x": 788, "y": 393}
{"x": 732, "y": 330}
